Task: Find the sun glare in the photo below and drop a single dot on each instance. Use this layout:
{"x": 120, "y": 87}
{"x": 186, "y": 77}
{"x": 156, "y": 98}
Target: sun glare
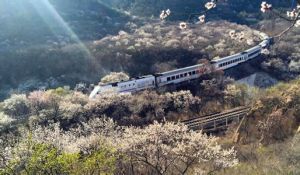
{"x": 44, "y": 7}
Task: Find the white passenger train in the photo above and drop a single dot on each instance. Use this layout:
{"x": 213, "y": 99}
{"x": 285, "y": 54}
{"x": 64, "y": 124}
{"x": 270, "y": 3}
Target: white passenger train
{"x": 180, "y": 75}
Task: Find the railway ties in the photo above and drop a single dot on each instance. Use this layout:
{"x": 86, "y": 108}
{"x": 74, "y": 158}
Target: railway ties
{"x": 217, "y": 121}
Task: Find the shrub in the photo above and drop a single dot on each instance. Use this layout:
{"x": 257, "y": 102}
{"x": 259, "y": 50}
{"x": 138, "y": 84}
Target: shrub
{"x": 115, "y": 77}
{"x": 16, "y": 106}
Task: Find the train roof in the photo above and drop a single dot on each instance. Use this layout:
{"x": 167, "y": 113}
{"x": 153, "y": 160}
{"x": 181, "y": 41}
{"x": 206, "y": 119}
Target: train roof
{"x": 228, "y": 57}
{"x": 179, "y": 70}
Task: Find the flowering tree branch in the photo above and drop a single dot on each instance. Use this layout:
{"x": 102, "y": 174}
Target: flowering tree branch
{"x": 201, "y": 15}
{"x": 294, "y": 23}
{"x": 291, "y": 16}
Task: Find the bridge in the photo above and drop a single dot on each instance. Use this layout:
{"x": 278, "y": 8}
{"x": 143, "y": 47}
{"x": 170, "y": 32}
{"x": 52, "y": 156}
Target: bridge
{"x": 217, "y": 121}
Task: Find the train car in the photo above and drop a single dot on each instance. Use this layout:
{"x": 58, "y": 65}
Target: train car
{"x": 137, "y": 84}
{"x": 102, "y": 89}
{"x": 230, "y": 61}
{"x": 133, "y": 85}
{"x": 266, "y": 42}
{"x": 180, "y": 75}
{"x": 254, "y": 52}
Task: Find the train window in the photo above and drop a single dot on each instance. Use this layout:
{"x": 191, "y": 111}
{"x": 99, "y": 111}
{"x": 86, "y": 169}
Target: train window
{"x": 152, "y": 82}
{"x": 185, "y": 74}
{"x": 177, "y": 76}
{"x": 181, "y": 75}
{"x": 168, "y": 78}
{"x": 173, "y": 77}
{"x": 193, "y": 72}
{"x": 190, "y": 73}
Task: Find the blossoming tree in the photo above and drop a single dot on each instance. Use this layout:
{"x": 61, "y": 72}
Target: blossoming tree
{"x": 290, "y": 16}
{"x": 173, "y": 149}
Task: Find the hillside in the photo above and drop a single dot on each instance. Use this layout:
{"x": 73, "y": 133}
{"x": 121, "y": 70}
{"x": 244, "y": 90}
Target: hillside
{"x": 53, "y": 52}
{"x": 31, "y": 23}
{"x": 74, "y": 129}
{"x": 151, "y": 48}
{"x": 56, "y": 41}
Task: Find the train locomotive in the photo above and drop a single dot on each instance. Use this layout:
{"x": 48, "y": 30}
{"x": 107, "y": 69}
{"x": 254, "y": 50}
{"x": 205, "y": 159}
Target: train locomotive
{"x": 183, "y": 74}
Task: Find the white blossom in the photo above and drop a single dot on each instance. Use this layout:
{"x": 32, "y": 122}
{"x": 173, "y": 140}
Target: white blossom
{"x": 292, "y": 14}
{"x": 232, "y": 34}
{"x": 250, "y": 42}
{"x": 182, "y": 25}
{"x": 241, "y": 36}
{"x": 265, "y": 51}
{"x": 210, "y": 5}
{"x": 168, "y": 11}
{"x": 202, "y": 18}
{"x": 297, "y": 24}
{"x": 265, "y": 6}
{"x": 164, "y": 14}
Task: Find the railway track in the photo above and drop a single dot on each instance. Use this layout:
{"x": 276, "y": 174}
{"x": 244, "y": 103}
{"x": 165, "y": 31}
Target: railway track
{"x": 217, "y": 121}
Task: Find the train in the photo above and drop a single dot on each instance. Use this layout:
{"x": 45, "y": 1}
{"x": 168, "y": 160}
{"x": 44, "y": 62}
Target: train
{"x": 183, "y": 74}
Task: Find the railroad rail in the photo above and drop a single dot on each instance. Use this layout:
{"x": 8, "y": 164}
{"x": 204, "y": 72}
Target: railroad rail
{"x": 217, "y": 121}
